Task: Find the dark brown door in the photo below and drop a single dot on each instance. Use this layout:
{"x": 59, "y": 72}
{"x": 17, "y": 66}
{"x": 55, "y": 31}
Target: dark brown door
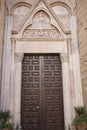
{"x": 42, "y": 97}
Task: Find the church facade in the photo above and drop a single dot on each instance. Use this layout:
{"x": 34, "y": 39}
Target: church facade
{"x": 41, "y": 80}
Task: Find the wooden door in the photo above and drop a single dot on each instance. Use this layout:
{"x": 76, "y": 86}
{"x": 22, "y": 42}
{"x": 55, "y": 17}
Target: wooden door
{"x": 42, "y": 95}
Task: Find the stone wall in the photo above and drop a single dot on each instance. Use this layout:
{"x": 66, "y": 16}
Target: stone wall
{"x": 1, "y": 34}
{"x": 18, "y": 8}
{"x": 82, "y": 35}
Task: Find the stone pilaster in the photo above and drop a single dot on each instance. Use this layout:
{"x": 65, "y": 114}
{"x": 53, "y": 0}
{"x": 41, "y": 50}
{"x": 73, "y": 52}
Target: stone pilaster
{"x": 17, "y": 104}
{"x": 19, "y": 57}
{"x": 66, "y": 89}
{"x": 6, "y": 69}
{"x": 64, "y": 57}
{"x": 12, "y": 81}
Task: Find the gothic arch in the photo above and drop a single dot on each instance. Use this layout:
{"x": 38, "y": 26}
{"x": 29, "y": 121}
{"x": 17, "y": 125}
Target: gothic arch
{"x": 19, "y": 5}
{"x": 41, "y": 9}
{"x": 41, "y": 23}
{"x": 63, "y": 5}
{"x": 34, "y": 13}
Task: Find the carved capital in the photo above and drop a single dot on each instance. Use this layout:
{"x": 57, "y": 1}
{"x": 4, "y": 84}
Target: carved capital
{"x": 13, "y": 40}
{"x": 19, "y": 57}
{"x": 64, "y": 57}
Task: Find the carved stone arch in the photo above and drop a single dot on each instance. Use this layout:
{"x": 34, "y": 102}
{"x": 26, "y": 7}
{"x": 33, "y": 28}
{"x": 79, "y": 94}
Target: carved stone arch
{"x": 63, "y": 5}
{"x": 41, "y": 13}
{"x": 18, "y": 5}
{"x": 19, "y": 12}
{"x": 41, "y": 27}
{"x": 32, "y": 16}
{"x": 46, "y": 12}
{"x": 63, "y": 13}
{"x": 41, "y": 9}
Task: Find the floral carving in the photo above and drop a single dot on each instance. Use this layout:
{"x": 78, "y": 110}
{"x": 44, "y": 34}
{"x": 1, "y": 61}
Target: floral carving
{"x": 41, "y": 33}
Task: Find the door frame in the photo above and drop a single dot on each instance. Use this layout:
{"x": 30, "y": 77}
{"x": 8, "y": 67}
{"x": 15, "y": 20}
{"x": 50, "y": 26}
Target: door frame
{"x": 57, "y": 46}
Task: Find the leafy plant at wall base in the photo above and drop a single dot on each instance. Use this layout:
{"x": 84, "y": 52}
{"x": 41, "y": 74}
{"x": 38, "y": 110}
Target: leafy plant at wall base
{"x": 4, "y": 120}
{"x": 17, "y": 127}
{"x": 80, "y": 119}
{"x": 81, "y": 115}
{"x": 68, "y": 127}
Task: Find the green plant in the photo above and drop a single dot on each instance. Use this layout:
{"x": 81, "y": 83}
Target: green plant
{"x": 17, "y": 127}
{"x": 81, "y": 115}
{"x": 4, "y": 120}
{"x": 68, "y": 127}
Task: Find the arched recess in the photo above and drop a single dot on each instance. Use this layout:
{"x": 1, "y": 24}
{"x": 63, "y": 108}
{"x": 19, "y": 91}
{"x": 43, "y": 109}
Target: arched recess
{"x": 63, "y": 5}
{"x": 19, "y": 12}
{"x": 18, "y": 5}
{"x": 63, "y": 12}
{"x": 41, "y": 27}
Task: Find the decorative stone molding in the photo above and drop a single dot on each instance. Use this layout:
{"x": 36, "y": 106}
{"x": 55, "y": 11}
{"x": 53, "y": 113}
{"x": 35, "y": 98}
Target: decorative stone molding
{"x": 19, "y": 57}
{"x": 44, "y": 4}
{"x": 41, "y": 33}
{"x": 64, "y": 57}
{"x": 13, "y": 41}
{"x": 41, "y": 27}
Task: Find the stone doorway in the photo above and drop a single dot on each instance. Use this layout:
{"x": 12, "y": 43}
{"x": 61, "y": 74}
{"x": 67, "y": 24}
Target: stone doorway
{"x": 42, "y": 92}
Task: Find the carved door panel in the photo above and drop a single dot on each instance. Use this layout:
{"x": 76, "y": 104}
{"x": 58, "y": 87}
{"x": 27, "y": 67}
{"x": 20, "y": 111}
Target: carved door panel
{"x": 42, "y": 98}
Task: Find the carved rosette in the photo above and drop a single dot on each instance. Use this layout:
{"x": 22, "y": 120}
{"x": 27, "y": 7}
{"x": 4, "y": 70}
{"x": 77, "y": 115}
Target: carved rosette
{"x": 19, "y": 57}
{"x": 64, "y": 57}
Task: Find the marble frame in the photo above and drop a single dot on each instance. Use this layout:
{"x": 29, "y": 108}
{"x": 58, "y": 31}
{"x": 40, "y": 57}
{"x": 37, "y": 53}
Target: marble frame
{"x": 16, "y": 80}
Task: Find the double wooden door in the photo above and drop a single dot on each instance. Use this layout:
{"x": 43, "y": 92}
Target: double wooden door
{"x": 41, "y": 94}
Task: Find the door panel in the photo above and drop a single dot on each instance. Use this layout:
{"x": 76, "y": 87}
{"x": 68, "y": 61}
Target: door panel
{"x": 30, "y": 93}
{"x": 53, "y": 98}
{"x": 42, "y": 98}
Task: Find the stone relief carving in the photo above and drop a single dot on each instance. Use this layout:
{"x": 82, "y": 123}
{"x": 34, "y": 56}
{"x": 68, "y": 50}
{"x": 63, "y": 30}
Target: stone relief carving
{"x": 41, "y": 27}
{"x": 41, "y": 17}
{"x": 41, "y": 20}
{"x": 41, "y": 33}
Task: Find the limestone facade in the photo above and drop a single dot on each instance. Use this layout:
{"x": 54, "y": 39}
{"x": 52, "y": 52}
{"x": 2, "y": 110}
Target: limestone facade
{"x": 1, "y": 36}
{"x": 82, "y": 35}
{"x": 40, "y": 26}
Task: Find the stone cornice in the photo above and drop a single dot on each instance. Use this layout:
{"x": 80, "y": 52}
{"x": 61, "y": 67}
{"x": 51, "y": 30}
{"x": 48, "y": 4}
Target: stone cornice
{"x": 40, "y": 39}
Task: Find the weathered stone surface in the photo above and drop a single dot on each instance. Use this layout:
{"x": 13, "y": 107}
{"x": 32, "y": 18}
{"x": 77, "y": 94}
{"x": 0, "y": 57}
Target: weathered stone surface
{"x": 82, "y": 35}
{"x": 1, "y": 36}
{"x": 47, "y": 26}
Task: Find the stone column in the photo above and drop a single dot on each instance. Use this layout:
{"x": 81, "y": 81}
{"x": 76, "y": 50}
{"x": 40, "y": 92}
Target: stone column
{"x": 66, "y": 90}
{"x": 6, "y": 69}
{"x": 17, "y": 103}
{"x": 77, "y": 88}
{"x": 12, "y": 81}
{"x": 2, "y": 19}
